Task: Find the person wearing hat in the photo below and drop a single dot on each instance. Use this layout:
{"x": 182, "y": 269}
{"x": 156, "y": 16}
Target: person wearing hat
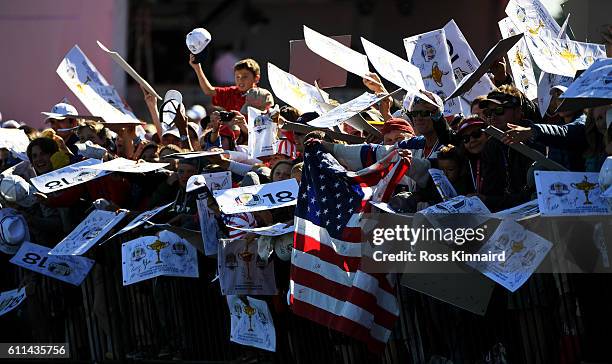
{"x": 62, "y": 120}
{"x": 13, "y": 231}
{"x": 485, "y": 162}
{"x": 395, "y": 130}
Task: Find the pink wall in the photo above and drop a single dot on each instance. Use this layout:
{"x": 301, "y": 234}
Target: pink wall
{"x": 35, "y": 37}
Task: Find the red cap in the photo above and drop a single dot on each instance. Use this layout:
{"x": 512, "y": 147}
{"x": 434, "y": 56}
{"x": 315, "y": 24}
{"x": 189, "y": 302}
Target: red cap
{"x": 397, "y": 124}
{"x": 225, "y": 130}
{"x": 470, "y": 122}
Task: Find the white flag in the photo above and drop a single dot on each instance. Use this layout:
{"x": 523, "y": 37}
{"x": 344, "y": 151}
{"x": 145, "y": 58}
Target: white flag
{"x": 520, "y": 61}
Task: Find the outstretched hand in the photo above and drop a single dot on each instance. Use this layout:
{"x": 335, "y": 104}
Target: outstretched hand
{"x": 517, "y": 134}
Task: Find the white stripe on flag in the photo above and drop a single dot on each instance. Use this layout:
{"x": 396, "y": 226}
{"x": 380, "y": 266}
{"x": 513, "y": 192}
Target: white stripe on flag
{"x": 340, "y": 308}
{"x": 341, "y": 247}
{"x": 326, "y": 270}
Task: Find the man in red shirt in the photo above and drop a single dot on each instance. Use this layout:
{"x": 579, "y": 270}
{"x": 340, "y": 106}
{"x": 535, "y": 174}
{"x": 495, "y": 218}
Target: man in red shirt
{"x": 246, "y": 76}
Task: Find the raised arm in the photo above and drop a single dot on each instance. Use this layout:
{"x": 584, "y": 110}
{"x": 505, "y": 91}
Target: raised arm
{"x": 205, "y": 85}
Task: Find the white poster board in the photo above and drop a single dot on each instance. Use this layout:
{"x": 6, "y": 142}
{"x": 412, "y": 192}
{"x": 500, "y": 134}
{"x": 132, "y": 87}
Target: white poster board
{"x": 68, "y": 176}
{"x": 531, "y": 17}
{"x": 16, "y": 141}
{"x": 257, "y": 197}
{"x": 67, "y": 268}
{"x": 272, "y": 230}
{"x": 464, "y": 61}
{"x": 262, "y": 134}
{"x": 92, "y": 89}
{"x": 521, "y": 212}
{"x": 595, "y": 82}
{"x": 128, "y": 166}
{"x": 520, "y": 61}
{"x": 343, "y": 112}
{"x": 242, "y": 271}
{"x": 9, "y": 300}
{"x": 141, "y": 219}
{"x": 251, "y": 323}
{"x": 151, "y": 256}
{"x": 569, "y": 194}
{"x": 95, "y": 226}
{"x": 523, "y": 251}
{"x": 127, "y": 68}
{"x": 336, "y": 52}
{"x": 429, "y": 53}
{"x": 443, "y": 185}
{"x": 295, "y": 92}
{"x": 393, "y": 68}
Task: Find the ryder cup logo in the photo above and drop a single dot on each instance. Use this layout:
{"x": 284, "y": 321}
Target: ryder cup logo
{"x": 247, "y": 199}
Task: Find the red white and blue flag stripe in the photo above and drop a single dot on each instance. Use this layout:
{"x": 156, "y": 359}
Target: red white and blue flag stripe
{"x": 327, "y": 284}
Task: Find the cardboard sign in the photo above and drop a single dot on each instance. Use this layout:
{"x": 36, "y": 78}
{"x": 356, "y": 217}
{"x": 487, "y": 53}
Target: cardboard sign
{"x": 429, "y": 53}
{"x": 394, "y": 68}
{"x": 336, "y": 52}
{"x": 251, "y": 323}
{"x": 189, "y": 155}
{"x": 16, "y": 141}
{"x": 90, "y": 87}
{"x": 340, "y": 113}
{"x": 209, "y": 227}
{"x": 521, "y": 212}
{"x": 262, "y": 134}
{"x": 545, "y": 84}
{"x": 520, "y": 61}
{"x": 310, "y": 67}
{"x": 273, "y": 230}
{"x": 95, "y": 226}
{"x": 531, "y": 17}
{"x": 68, "y": 176}
{"x": 443, "y": 185}
{"x": 592, "y": 88}
{"x": 67, "y": 268}
{"x": 127, "y": 166}
{"x": 295, "y": 92}
{"x": 469, "y": 291}
{"x": 141, "y": 219}
{"x": 151, "y": 256}
{"x": 563, "y": 57}
{"x": 458, "y": 205}
{"x": 127, "y": 68}
{"x": 214, "y": 181}
{"x": 9, "y": 300}
{"x": 258, "y": 197}
{"x": 523, "y": 252}
{"x": 464, "y": 61}
{"x": 498, "y": 51}
{"x": 242, "y": 271}
{"x": 569, "y": 194}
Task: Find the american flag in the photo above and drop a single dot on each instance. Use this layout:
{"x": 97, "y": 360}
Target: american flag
{"x": 327, "y": 284}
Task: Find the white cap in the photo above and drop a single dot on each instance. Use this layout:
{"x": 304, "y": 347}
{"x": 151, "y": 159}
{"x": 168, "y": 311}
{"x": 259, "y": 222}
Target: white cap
{"x": 11, "y": 124}
{"x": 283, "y": 245}
{"x": 14, "y": 188}
{"x": 197, "y": 40}
{"x": 13, "y": 231}
{"x": 172, "y": 131}
{"x": 60, "y": 111}
{"x": 196, "y": 112}
{"x": 173, "y": 100}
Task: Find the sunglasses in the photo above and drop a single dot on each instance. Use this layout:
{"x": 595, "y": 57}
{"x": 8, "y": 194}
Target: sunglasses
{"x": 421, "y": 113}
{"x": 498, "y": 110}
{"x": 475, "y": 134}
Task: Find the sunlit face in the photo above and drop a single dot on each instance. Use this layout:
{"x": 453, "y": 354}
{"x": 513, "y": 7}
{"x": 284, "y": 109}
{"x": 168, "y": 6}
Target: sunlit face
{"x": 57, "y": 124}
{"x": 474, "y": 139}
{"x": 282, "y": 172}
{"x": 450, "y": 168}
{"x": 86, "y": 134}
{"x": 395, "y": 136}
{"x": 423, "y": 125}
{"x": 245, "y": 80}
{"x": 41, "y": 161}
{"x": 184, "y": 172}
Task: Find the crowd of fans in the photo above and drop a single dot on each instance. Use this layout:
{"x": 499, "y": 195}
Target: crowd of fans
{"x": 474, "y": 162}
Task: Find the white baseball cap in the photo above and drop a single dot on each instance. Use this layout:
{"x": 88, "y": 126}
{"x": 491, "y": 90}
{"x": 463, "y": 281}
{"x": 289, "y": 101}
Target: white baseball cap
{"x": 15, "y": 189}
{"x": 197, "y": 40}
{"x": 90, "y": 150}
{"x": 172, "y": 131}
{"x": 283, "y": 245}
{"x": 173, "y": 101}
{"x": 196, "y": 112}
{"x": 60, "y": 111}
{"x": 13, "y": 231}
{"x": 11, "y": 124}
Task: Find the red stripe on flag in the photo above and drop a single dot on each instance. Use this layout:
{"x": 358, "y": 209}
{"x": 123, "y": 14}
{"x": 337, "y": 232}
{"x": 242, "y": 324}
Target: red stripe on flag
{"x": 337, "y": 323}
{"x": 326, "y": 253}
{"x": 354, "y": 295}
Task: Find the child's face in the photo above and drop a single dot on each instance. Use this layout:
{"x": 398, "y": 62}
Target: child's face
{"x": 450, "y": 168}
{"x": 245, "y": 79}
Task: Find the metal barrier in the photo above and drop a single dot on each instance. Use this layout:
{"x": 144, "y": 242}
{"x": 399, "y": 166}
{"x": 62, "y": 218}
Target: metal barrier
{"x": 102, "y": 320}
